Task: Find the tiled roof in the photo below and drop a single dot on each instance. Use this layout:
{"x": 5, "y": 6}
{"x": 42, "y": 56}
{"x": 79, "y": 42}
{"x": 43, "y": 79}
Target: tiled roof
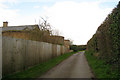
{"x": 30, "y": 27}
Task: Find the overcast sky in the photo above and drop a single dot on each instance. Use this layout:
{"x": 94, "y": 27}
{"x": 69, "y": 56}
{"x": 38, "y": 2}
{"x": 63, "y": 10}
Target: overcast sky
{"x": 75, "y": 19}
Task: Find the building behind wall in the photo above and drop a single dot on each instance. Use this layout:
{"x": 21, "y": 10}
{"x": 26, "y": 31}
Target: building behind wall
{"x": 31, "y": 32}
{"x": 27, "y": 45}
{"x": 67, "y": 44}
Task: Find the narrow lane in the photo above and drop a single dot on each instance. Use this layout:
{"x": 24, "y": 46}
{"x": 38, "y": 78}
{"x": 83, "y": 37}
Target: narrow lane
{"x": 75, "y": 66}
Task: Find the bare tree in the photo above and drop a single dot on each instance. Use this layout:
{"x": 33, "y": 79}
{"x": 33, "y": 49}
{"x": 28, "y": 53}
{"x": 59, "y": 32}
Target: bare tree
{"x": 44, "y": 25}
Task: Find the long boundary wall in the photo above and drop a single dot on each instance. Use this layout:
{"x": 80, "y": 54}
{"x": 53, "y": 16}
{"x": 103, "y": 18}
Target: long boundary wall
{"x": 20, "y": 54}
{"x": 0, "y": 53}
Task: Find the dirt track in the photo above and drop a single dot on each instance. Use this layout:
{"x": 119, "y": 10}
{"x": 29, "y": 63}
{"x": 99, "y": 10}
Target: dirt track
{"x": 75, "y": 66}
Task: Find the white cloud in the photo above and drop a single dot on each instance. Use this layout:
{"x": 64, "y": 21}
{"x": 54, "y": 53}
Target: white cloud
{"x": 36, "y": 6}
{"x": 9, "y": 1}
{"x": 7, "y": 14}
{"x": 108, "y": 0}
{"x": 77, "y": 21}
{"x": 16, "y": 1}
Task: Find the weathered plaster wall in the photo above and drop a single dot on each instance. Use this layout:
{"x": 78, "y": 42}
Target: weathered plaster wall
{"x": 19, "y": 54}
{"x": 0, "y": 53}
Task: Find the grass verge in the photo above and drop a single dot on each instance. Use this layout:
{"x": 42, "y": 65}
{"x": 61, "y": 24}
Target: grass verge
{"x": 100, "y": 68}
{"x": 39, "y": 69}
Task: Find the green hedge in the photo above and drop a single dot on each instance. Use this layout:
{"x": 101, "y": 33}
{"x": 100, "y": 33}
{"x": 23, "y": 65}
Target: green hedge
{"x": 106, "y": 40}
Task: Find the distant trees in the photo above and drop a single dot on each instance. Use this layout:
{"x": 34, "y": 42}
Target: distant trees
{"x": 76, "y": 48}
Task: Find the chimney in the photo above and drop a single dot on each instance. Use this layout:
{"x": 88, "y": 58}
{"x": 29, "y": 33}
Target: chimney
{"x": 5, "y": 24}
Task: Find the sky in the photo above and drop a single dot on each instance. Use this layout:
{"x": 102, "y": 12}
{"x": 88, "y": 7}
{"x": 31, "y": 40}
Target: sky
{"x": 76, "y": 20}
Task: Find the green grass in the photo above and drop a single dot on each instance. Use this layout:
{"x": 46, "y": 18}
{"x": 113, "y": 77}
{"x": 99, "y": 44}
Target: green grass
{"x": 38, "y": 70}
{"x": 100, "y": 68}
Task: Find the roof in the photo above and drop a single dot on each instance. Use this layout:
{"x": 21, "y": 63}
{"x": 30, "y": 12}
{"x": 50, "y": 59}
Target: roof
{"x": 23, "y": 27}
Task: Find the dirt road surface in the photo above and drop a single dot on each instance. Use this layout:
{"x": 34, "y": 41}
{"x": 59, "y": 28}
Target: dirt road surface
{"x": 76, "y": 66}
